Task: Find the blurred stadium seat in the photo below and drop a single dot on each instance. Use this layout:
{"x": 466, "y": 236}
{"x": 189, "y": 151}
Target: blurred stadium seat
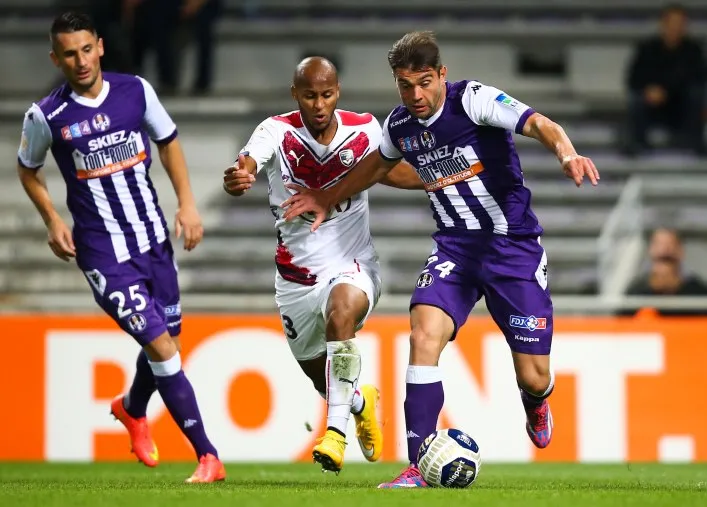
{"x": 255, "y": 57}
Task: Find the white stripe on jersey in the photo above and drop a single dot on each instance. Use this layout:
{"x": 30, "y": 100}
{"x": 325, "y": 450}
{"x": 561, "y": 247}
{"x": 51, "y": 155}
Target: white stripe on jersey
{"x": 446, "y": 219}
{"x": 461, "y": 207}
{"x": 117, "y": 237}
{"x": 500, "y": 224}
{"x": 140, "y": 172}
{"x": 128, "y": 203}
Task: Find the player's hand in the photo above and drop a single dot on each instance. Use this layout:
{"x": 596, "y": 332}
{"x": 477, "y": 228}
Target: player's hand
{"x": 576, "y": 167}
{"x": 188, "y": 221}
{"x": 60, "y": 239}
{"x": 237, "y": 180}
{"x": 307, "y": 200}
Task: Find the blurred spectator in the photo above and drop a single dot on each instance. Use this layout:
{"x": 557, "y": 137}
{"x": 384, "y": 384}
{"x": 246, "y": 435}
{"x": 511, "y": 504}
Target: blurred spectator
{"x": 154, "y": 28}
{"x": 666, "y": 80}
{"x": 157, "y": 24}
{"x": 202, "y": 16}
{"x": 666, "y": 275}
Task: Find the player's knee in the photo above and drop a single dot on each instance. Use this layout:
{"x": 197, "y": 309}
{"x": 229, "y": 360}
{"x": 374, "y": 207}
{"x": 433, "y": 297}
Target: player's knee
{"x": 340, "y": 322}
{"x": 425, "y": 347}
{"x": 535, "y": 379}
{"x": 162, "y": 348}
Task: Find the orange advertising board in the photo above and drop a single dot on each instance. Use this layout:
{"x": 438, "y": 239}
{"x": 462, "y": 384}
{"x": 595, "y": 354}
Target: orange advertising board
{"x": 626, "y": 389}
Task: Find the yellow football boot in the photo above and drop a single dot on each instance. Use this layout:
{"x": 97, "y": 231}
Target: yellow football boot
{"x": 368, "y": 431}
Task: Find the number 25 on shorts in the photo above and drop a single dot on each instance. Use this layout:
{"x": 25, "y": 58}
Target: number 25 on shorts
{"x": 118, "y": 297}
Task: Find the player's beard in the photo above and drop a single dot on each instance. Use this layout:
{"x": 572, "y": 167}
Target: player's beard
{"x": 436, "y": 104}
{"x": 87, "y": 85}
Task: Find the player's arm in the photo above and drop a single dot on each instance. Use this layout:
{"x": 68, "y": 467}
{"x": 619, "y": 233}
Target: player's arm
{"x": 486, "y": 105}
{"x": 258, "y": 152}
{"x": 36, "y": 140}
{"x": 404, "y": 176}
{"x": 554, "y": 138}
{"x": 369, "y": 171}
{"x": 163, "y": 132}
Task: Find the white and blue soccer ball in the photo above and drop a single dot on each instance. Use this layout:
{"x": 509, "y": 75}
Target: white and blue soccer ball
{"x": 449, "y": 458}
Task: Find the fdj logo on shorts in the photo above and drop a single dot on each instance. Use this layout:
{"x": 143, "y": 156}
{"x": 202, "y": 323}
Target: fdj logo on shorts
{"x": 531, "y": 323}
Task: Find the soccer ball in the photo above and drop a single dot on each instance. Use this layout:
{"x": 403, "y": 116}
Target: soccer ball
{"x": 449, "y": 459}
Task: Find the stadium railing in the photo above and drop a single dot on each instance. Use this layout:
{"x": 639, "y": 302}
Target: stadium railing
{"x": 620, "y": 245}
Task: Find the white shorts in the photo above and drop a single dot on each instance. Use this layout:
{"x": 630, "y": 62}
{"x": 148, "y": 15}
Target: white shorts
{"x": 302, "y": 308}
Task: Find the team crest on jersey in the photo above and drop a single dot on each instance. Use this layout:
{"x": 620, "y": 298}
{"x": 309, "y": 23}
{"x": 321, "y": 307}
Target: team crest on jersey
{"x": 101, "y": 122}
{"x": 425, "y": 280}
{"x": 427, "y": 139}
{"x": 347, "y": 157}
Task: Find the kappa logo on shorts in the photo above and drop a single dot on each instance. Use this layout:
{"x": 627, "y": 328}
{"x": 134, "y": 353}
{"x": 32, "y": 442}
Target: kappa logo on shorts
{"x": 137, "y": 322}
{"x": 425, "y": 280}
{"x": 531, "y": 323}
{"x": 97, "y": 280}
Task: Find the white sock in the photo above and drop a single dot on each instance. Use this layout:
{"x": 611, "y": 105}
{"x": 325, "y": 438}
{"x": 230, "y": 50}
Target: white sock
{"x": 356, "y": 404}
{"x": 343, "y": 366}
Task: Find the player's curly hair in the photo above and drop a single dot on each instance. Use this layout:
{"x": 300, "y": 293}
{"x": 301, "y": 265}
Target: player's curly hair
{"x": 70, "y": 22}
{"x": 415, "y": 51}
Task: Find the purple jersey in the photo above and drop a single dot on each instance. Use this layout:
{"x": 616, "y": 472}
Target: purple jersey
{"x": 102, "y": 148}
{"x": 467, "y": 159}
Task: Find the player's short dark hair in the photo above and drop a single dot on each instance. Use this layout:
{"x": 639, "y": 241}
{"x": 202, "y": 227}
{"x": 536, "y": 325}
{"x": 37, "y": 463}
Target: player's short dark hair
{"x": 415, "y": 51}
{"x": 70, "y": 22}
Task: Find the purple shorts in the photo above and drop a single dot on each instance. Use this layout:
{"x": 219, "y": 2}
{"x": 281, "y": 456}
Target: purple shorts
{"x": 141, "y": 294}
{"x": 511, "y": 274}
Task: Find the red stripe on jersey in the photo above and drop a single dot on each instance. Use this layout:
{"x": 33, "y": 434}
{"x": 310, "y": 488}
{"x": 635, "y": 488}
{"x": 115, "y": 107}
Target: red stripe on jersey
{"x": 289, "y": 270}
{"x": 352, "y": 119}
{"x": 307, "y": 170}
{"x": 293, "y": 119}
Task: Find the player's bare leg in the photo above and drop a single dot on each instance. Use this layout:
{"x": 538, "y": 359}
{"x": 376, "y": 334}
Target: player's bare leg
{"x": 346, "y": 307}
{"x": 179, "y": 398}
{"x": 431, "y": 330}
{"x": 536, "y": 382}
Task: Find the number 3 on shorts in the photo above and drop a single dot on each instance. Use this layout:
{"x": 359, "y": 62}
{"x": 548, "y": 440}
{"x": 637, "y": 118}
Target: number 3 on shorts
{"x": 289, "y": 326}
{"x": 118, "y": 297}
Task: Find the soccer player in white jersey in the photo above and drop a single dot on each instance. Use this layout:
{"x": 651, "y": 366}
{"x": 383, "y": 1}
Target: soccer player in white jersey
{"x": 458, "y": 136}
{"x": 327, "y": 283}
{"x": 98, "y": 127}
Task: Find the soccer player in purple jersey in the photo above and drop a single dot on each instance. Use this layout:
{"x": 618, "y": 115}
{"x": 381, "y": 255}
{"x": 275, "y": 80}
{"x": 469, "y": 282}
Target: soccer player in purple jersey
{"x": 458, "y": 136}
{"x": 98, "y": 127}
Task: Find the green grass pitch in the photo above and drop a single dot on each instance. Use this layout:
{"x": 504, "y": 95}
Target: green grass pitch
{"x": 294, "y": 485}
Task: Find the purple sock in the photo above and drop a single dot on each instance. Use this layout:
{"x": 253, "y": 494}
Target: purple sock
{"x": 178, "y": 395}
{"x": 423, "y": 403}
{"x": 530, "y": 401}
{"x": 141, "y": 390}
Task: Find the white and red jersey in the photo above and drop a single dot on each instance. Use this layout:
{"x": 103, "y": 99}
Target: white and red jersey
{"x": 284, "y": 148}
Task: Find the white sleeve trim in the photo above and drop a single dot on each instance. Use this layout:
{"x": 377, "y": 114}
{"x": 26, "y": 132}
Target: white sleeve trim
{"x": 387, "y": 149}
{"x": 263, "y": 143}
{"x": 489, "y": 106}
{"x": 375, "y": 134}
{"x": 156, "y": 120}
{"x": 36, "y": 139}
